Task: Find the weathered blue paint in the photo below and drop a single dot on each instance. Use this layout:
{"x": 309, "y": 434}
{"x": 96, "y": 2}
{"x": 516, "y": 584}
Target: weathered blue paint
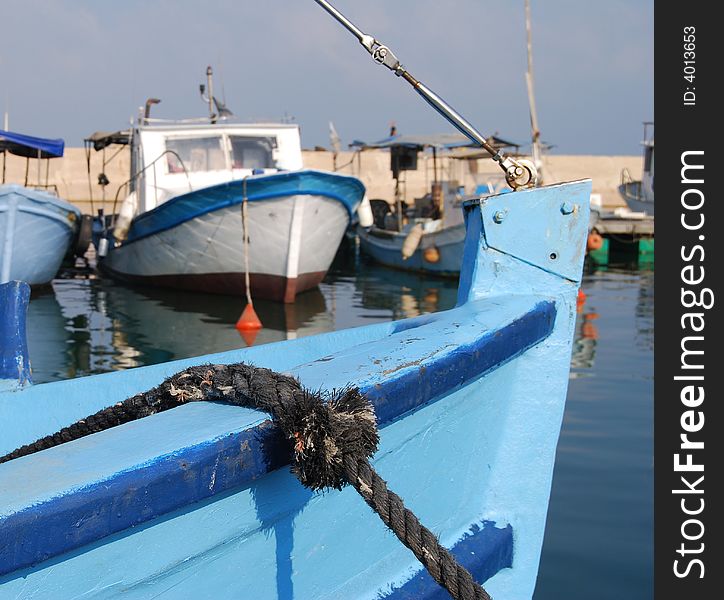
{"x": 185, "y": 207}
{"x": 483, "y": 451}
{"x": 36, "y": 230}
{"x": 483, "y": 551}
{"x": 14, "y": 361}
{"x": 544, "y": 238}
{"x": 127, "y": 494}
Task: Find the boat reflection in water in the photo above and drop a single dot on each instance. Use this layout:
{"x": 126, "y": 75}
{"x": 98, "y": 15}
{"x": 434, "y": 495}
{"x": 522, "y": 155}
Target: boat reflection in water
{"x": 87, "y": 326}
{"x": 357, "y": 284}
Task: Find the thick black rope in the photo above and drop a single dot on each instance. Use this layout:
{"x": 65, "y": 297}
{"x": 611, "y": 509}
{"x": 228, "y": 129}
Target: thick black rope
{"x": 440, "y": 564}
{"x": 332, "y": 438}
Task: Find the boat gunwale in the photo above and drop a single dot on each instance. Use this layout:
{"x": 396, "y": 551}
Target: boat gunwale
{"x": 239, "y": 457}
{"x": 237, "y": 200}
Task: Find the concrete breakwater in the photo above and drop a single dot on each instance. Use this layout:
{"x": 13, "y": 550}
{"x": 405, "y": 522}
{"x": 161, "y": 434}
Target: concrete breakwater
{"x": 70, "y": 173}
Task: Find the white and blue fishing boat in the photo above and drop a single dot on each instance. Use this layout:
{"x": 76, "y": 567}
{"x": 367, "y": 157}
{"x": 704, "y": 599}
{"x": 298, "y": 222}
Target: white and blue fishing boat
{"x": 196, "y": 502}
{"x": 37, "y": 228}
{"x": 182, "y": 225}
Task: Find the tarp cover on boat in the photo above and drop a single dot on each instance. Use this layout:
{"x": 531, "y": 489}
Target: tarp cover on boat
{"x": 102, "y": 139}
{"x": 462, "y": 147}
{"x": 29, "y": 146}
{"x": 441, "y": 140}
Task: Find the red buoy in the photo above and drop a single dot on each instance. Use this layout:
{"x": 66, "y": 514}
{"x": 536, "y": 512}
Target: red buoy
{"x": 594, "y": 242}
{"x": 248, "y": 321}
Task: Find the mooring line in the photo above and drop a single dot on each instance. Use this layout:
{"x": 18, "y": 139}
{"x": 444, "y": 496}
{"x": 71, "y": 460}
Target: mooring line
{"x": 331, "y": 437}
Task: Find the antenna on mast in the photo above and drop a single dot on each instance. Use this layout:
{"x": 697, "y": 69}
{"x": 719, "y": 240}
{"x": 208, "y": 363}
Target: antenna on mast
{"x": 535, "y": 132}
{"x": 217, "y": 109}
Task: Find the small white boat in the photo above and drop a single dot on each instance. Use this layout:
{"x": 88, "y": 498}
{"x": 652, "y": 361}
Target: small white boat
{"x": 36, "y": 227}
{"x": 196, "y": 188}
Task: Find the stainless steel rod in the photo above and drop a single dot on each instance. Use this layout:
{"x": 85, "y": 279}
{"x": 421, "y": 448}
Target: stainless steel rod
{"x": 518, "y": 173}
{"x": 342, "y": 19}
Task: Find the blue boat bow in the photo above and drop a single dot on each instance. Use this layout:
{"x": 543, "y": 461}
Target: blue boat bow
{"x": 193, "y": 503}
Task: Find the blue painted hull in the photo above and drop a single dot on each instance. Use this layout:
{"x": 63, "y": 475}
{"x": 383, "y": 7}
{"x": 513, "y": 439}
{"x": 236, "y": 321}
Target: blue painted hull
{"x": 36, "y": 230}
{"x": 385, "y": 247}
{"x": 196, "y": 502}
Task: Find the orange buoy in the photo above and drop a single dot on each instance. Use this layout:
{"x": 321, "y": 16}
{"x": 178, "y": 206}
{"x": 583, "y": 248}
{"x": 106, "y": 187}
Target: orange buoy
{"x": 248, "y": 321}
{"x": 431, "y": 254}
{"x": 594, "y": 242}
{"x": 248, "y": 324}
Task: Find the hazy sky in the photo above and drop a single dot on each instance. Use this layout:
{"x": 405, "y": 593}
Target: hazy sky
{"x": 71, "y": 67}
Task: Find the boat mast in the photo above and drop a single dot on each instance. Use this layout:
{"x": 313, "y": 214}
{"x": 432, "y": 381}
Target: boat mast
{"x": 518, "y": 173}
{"x": 210, "y": 84}
{"x": 535, "y": 132}
{"x": 5, "y": 155}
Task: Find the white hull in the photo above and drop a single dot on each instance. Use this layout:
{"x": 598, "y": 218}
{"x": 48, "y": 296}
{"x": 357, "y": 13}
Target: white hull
{"x": 292, "y": 241}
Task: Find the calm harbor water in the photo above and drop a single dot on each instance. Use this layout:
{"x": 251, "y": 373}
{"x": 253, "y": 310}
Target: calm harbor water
{"x": 599, "y": 537}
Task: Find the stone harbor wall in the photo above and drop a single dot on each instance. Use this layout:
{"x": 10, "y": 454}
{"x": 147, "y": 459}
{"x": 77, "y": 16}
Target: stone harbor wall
{"x": 69, "y": 174}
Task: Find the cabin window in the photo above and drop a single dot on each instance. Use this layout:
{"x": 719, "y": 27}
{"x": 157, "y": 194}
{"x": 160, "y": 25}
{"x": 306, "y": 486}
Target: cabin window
{"x": 197, "y": 154}
{"x": 648, "y": 159}
{"x": 252, "y": 152}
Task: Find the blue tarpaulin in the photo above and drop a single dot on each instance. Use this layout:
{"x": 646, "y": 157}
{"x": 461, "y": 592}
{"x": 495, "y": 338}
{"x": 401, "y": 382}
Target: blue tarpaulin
{"x": 29, "y": 146}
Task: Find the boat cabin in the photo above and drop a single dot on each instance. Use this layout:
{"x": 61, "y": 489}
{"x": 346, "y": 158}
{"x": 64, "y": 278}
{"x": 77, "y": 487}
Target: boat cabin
{"x": 168, "y": 160}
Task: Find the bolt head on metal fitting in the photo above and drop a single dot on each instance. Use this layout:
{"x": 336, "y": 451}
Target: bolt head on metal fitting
{"x": 499, "y": 216}
{"x": 568, "y": 207}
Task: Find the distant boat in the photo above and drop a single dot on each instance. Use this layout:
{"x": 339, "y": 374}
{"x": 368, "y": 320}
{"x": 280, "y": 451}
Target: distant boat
{"x": 36, "y": 227}
{"x": 428, "y": 236}
{"x": 439, "y": 251}
{"x": 182, "y": 224}
{"x": 639, "y": 195}
{"x": 196, "y": 501}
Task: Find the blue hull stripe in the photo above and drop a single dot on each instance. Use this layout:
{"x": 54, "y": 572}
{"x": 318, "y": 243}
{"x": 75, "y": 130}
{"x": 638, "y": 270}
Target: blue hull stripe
{"x": 346, "y": 190}
{"x": 175, "y": 480}
{"x": 483, "y": 551}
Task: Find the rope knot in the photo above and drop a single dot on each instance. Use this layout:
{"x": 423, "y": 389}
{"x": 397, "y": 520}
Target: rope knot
{"x": 324, "y": 432}
{"x": 332, "y": 437}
